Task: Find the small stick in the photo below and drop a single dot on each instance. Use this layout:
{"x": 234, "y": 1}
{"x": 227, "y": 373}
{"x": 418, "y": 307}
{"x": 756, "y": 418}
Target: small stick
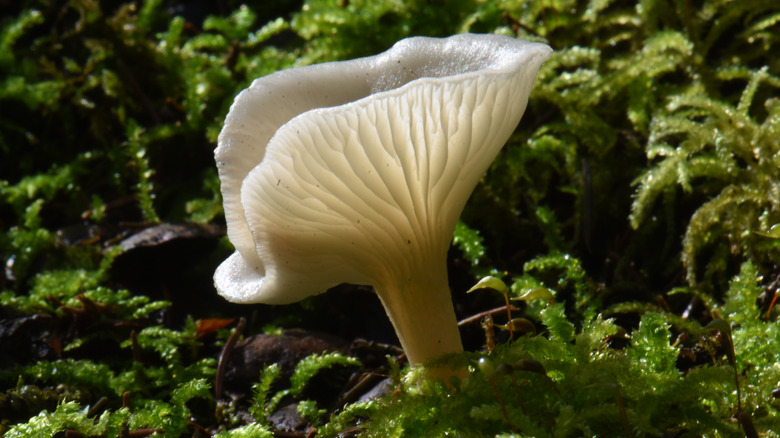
{"x": 137, "y": 357}
{"x": 503, "y": 407}
{"x": 95, "y": 409}
{"x": 223, "y": 357}
{"x": 479, "y": 316}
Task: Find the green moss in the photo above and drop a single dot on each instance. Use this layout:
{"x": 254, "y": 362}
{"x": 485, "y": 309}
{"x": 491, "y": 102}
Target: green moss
{"x": 582, "y": 386}
{"x": 725, "y": 153}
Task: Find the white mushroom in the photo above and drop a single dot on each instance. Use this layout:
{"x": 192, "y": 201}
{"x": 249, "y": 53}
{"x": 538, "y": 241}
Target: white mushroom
{"x": 357, "y": 171}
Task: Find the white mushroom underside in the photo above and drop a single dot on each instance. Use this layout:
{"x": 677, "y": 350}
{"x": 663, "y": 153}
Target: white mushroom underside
{"x": 367, "y": 192}
{"x": 390, "y": 185}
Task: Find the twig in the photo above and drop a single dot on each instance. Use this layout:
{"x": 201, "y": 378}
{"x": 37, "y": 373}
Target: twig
{"x": 97, "y": 407}
{"x": 475, "y": 318}
{"x": 223, "y": 357}
{"x": 137, "y": 357}
{"x": 364, "y": 383}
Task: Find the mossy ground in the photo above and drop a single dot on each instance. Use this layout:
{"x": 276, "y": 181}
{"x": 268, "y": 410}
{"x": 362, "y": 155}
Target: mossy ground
{"x": 641, "y": 189}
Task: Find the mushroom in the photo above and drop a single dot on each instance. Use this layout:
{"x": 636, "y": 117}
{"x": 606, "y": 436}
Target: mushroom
{"x": 357, "y": 171}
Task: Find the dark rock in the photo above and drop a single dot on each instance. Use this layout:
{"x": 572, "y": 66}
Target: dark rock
{"x": 251, "y": 355}
{"x": 287, "y": 419}
{"x": 379, "y": 390}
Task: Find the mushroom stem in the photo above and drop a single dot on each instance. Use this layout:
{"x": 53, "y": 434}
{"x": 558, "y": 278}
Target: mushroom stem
{"x": 423, "y": 316}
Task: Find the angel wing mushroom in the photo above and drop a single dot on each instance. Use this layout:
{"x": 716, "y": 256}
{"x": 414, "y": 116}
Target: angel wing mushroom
{"x": 357, "y": 171}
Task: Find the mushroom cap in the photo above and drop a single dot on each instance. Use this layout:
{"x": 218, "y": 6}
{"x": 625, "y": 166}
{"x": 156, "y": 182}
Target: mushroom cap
{"x": 357, "y": 171}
